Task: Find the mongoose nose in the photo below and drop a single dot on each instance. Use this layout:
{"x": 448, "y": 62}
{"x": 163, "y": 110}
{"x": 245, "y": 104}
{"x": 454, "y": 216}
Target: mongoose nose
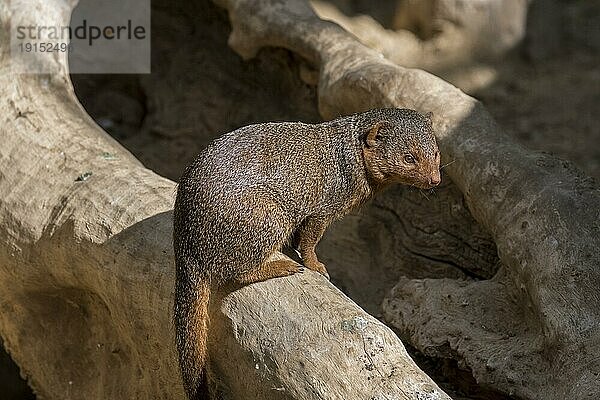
{"x": 435, "y": 180}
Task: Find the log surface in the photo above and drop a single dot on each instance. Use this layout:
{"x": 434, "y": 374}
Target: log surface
{"x": 87, "y": 271}
{"x": 87, "y": 274}
{"x": 541, "y": 212}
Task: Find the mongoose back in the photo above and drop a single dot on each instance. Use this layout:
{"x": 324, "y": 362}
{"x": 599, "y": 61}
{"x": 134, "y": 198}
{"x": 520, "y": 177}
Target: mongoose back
{"x": 260, "y": 187}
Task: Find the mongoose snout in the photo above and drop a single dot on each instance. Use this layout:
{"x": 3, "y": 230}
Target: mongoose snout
{"x": 431, "y": 177}
{"x": 435, "y": 177}
{"x": 260, "y": 187}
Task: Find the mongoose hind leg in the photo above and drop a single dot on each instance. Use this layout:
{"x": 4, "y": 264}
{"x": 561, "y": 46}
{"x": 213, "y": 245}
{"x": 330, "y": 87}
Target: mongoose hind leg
{"x": 309, "y": 234}
{"x": 270, "y": 269}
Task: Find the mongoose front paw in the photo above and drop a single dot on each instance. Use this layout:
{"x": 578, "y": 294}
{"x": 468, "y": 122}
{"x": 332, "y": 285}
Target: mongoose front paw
{"x": 270, "y": 270}
{"x": 297, "y": 269}
{"x": 288, "y": 268}
{"x": 318, "y": 267}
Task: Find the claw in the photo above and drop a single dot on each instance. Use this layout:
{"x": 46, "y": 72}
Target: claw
{"x": 318, "y": 267}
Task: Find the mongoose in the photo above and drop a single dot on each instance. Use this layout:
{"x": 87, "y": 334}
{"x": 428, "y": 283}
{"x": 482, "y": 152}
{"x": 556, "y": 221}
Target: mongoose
{"x": 260, "y": 187}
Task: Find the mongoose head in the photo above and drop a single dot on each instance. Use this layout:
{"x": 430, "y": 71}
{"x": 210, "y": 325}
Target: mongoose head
{"x": 400, "y": 147}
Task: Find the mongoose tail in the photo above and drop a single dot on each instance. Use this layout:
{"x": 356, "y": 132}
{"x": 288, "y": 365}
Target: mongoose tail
{"x": 191, "y": 317}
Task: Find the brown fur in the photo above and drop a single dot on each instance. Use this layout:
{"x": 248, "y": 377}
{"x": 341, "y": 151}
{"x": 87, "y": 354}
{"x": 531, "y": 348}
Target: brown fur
{"x": 252, "y": 190}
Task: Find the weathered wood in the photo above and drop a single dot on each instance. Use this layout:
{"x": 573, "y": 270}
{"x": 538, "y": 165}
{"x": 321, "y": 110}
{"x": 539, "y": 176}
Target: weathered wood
{"x": 406, "y": 232}
{"x": 543, "y": 215}
{"x": 86, "y": 265}
{"x": 435, "y": 35}
{"x": 86, "y": 269}
{"x": 301, "y": 338}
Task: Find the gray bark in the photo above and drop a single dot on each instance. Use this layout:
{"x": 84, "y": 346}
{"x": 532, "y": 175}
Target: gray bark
{"x": 87, "y": 274}
{"x": 87, "y": 270}
{"x": 532, "y": 330}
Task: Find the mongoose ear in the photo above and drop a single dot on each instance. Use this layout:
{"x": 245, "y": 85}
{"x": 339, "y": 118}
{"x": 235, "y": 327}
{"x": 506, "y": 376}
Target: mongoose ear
{"x": 374, "y": 134}
{"x": 429, "y": 117}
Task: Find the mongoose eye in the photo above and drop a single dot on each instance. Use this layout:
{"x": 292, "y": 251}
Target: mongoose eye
{"x": 409, "y": 159}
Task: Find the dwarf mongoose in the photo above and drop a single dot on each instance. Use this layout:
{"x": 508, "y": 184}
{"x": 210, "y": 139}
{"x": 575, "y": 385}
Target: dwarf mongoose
{"x": 255, "y": 189}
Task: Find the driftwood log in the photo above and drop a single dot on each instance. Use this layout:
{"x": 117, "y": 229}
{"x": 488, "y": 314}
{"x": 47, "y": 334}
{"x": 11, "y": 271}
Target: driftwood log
{"x": 87, "y": 263}
{"x": 453, "y": 39}
{"x": 436, "y": 35}
{"x": 87, "y": 274}
{"x": 530, "y": 331}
